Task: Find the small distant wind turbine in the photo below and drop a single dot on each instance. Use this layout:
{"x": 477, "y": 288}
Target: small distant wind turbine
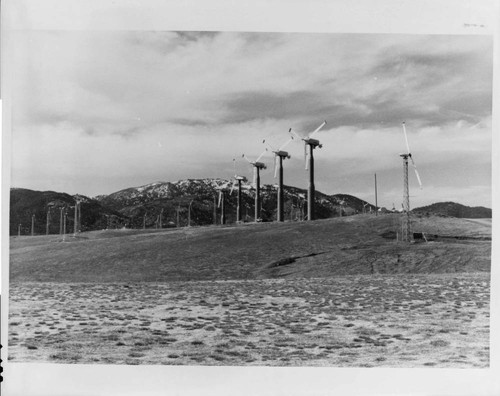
{"x": 221, "y": 202}
{"x": 312, "y": 143}
{"x": 406, "y": 190}
{"x": 238, "y": 179}
{"x": 257, "y": 166}
{"x": 279, "y": 156}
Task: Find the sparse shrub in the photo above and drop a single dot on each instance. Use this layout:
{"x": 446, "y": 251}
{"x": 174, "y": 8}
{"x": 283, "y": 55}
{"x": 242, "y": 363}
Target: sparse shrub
{"x": 440, "y": 343}
{"x": 136, "y": 354}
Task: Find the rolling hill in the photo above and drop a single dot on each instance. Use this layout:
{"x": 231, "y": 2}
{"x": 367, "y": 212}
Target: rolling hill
{"x": 453, "y": 209}
{"x": 178, "y": 203}
{"x": 25, "y": 203}
{"x": 339, "y": 246}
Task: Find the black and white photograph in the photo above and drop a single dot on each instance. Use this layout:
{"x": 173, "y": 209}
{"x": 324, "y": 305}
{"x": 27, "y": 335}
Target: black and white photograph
{"x": 193, "y": 198}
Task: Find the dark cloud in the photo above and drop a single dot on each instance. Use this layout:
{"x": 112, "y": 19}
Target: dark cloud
{"x": 249, "y": 106}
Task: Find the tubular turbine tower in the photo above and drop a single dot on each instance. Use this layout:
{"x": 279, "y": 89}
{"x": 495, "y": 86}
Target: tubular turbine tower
{"x": 279, "y": 156}
{"x": 312, "y": 143}
{"x": 257, "y": 166}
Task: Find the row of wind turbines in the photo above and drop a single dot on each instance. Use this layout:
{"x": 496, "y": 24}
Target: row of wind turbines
{"x": 279, "y": 156}
{"x": 310, "y": 144}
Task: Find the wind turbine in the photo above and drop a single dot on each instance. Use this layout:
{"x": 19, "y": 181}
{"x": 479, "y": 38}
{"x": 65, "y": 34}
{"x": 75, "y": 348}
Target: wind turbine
{"x": 257, "y": 166}
{"x": 406, "y": 190}
{"x": 221, "y": 204}
{"x": 312, "y": 143}
{"x": 238, "y": 179}
{"x": 279, "y": 156}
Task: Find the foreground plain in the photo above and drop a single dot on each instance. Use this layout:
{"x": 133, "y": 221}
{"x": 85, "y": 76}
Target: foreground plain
{"x": 340, "y": 292}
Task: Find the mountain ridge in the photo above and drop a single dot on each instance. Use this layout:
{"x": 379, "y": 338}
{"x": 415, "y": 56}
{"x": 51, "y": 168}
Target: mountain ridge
{"x": 185, "y": 202}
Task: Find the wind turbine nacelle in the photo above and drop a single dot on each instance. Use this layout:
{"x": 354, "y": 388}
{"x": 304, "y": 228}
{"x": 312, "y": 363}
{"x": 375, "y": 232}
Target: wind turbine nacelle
{"x": 283, "y": 154}
{"x": 313, "y": 142}
{"x": 242, "y": 178}
{"x": 260, "y": 165}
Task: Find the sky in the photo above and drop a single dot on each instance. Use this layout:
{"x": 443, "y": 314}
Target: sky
{"x": 94, "y": 112}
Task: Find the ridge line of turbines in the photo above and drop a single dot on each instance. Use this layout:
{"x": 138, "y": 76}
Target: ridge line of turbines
{"x": 279, "y": 156}
{"x": 309, "y": 145}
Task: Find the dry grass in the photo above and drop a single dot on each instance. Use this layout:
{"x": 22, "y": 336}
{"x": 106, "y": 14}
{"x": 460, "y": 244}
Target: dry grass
{"x": 356, "y": 321}
{"x": 342, "y": 246}
{"x": 326, "y": 293}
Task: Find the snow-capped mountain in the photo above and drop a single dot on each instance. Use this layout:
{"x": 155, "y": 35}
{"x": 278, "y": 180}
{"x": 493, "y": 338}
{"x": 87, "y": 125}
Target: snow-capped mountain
{"x": 197, "y": 201}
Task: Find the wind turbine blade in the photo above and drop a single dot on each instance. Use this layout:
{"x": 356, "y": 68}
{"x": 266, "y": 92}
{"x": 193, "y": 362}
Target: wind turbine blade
{"x": 220, "y": 198}
{"x": 275, "y": 166}
{"x": 416, "y": 172}
{"x": 285, "y": 144}
{"x": 244, "y": 156}
{"x": 406, "y": 139}
{"x": 234, "y": 165}
{"x": 268, "y": 145}
{"x": 260, "y": 156}
{"x": 232, "y": 187}
{"x": 295, "y": 134}
{"x": 317, "y": 129}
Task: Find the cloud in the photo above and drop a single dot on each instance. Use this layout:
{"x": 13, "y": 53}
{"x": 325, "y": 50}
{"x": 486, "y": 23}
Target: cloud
{"x": 108, "y": 99}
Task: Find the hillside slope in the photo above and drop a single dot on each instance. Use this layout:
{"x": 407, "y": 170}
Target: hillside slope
{"x": 169, "y": 204}
{"x": 201, "y": 195}
{"x": 333, "y": 247}
{"x": 25, "y": 203}
{"x": 454, "y": 209}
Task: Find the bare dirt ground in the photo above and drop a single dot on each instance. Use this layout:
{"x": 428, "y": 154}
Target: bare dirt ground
{"x": 438, "y": 320}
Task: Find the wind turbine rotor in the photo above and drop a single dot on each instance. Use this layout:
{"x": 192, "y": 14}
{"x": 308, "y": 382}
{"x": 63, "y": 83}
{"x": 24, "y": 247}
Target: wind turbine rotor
{"x": 410, "y": 156}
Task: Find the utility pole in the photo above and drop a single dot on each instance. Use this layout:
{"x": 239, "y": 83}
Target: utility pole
{"x": 144, "y": 222}
{"x": 189, "y": 213}
{"x": 238, "y": 206}
{"x": 19, "y": 230}
{"x": 75, "y": 225}
{"x": 222, "y": 207}
{"x": 178, "y": 217}
{"x": 48, "y": 222}
{"x": 61, "y": 221}
{"x": 33, "y": 225}
{"x": 161, "y": 218}
{"x": 376, "y": 202}
{"x": 79, "y": 229}
{"x": 64, "y": 226}
{"x": 215, "y": 210}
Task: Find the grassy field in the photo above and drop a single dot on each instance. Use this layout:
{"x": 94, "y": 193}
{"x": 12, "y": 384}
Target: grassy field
{"x": 338, "y": 292}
